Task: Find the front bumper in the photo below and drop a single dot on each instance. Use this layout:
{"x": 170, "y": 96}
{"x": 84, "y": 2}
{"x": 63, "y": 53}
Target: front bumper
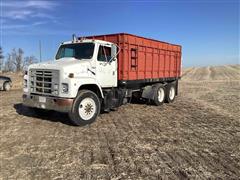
{"x": 49, "y": 103}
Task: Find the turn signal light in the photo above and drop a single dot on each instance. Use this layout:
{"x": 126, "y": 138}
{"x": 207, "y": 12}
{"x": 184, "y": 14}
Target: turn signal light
{"x": 71, "y": 75}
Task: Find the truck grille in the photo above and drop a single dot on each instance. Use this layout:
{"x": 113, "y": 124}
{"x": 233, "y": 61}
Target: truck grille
{"x": 44, "y": 82}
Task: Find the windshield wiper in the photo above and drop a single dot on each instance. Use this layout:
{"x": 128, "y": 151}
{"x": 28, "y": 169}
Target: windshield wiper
{"x": 77, "y": 58}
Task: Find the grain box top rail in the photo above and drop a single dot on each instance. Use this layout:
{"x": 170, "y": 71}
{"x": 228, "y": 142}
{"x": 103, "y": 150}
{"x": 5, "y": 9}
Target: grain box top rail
{"x": 115, "y": 34}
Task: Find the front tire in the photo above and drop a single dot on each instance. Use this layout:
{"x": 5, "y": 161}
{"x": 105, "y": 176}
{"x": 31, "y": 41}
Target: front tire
{"x": 86, "y": 108}
{"x": 6, "y": 86}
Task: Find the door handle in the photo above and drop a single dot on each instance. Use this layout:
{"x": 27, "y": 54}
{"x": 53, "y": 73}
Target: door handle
{"x": 103, "y": 64}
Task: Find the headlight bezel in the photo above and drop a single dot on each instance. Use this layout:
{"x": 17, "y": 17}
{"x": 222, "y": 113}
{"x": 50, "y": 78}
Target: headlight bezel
{"x": 65, "y": 87}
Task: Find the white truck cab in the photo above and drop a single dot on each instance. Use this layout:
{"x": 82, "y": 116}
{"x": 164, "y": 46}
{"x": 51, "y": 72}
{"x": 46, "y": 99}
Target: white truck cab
{"x": 80, "y": 67}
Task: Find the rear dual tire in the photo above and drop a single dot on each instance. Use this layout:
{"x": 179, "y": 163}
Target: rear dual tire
{"x": 164, "y": 94}
{"x": 171, "y": 93}
{"x": 159, "y": 95}
{"x": 86, "y": 108}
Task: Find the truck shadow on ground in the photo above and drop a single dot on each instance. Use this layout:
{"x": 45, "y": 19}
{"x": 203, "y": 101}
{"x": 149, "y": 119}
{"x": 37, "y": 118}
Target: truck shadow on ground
{"x": 52, "y": 116}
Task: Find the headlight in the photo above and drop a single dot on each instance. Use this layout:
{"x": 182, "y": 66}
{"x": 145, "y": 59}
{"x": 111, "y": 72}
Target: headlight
{"x": 64, "y": 87}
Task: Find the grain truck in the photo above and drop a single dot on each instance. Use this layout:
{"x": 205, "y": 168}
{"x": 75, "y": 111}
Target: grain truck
{"x": 100, "y": 73}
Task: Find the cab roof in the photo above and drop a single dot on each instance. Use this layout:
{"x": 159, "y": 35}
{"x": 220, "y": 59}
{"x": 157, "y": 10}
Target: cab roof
{"x": 87, "y": 41}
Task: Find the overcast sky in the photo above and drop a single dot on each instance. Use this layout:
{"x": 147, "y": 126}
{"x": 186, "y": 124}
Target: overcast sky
{"x": 208, "y": 30}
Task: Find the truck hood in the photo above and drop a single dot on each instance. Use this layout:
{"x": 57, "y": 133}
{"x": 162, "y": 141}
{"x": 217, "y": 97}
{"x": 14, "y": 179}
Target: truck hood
{"x": 60, "y": 64}
{"x": 67, "y": 65}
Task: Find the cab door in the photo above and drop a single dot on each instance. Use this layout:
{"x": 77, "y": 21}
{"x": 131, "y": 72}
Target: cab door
{"x": 106, "y": 66}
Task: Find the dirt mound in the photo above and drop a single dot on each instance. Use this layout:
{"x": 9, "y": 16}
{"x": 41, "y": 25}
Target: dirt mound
{"x": 227, "y": 72}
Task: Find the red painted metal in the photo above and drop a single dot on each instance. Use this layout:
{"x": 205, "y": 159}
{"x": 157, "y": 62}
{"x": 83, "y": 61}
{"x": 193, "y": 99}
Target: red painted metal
{"x": 144, "y": 58}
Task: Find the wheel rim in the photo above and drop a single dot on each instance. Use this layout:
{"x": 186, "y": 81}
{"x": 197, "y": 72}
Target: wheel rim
{"x": 87, "y": 109}
{"x": 161, "y": 94}
{"x": 7, "y": 86}
{"x": 171, "y": 93}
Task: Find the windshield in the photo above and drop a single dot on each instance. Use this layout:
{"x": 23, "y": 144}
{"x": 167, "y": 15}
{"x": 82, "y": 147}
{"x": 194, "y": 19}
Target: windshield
{"x": 78, "y": 51}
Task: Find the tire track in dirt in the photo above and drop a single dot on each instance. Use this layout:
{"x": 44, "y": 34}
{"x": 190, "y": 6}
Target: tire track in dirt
{"x": 221, "y": 136}
{"x": 208, "y": 73}
{"x": 235, "y": 67}
{"x": 232, "y": 72}
{"x": 189, "y": 74}
{"x": 213, "y": 115}
{"x": 219, "y": 95}
{"x": 225, "y": 73}
{"x": 192, "y": 138}
{"x": 186, "y": 71}
{"x": 128, "y": 159}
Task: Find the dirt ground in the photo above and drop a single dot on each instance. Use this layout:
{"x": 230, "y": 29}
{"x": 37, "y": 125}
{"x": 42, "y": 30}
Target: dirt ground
{"x": 196, "y": 137}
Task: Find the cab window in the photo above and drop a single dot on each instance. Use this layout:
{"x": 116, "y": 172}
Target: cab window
{"x": 104, "y": 53}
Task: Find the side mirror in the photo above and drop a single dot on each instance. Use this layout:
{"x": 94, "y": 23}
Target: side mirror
{"x": 114, "y": 53}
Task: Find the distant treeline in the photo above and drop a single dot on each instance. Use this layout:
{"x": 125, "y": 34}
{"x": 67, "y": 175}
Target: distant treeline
{"x": 15, "y": 61}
